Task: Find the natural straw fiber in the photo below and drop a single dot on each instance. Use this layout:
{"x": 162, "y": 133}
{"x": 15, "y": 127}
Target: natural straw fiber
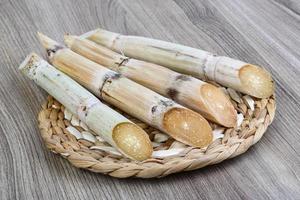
{"x": 72, "y": 140}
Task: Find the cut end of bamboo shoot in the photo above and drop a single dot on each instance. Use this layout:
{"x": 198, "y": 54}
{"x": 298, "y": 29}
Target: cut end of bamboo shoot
{"x": 132, "y": 141}
{"x": 220, "y": 109}
{"x": 188, "y": 127}
{"x": 31, "y": 58}
{"x": 256, "y": 81}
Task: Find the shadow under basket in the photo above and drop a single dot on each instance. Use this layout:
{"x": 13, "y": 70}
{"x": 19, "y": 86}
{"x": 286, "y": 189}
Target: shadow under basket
{"x": 64, "y": 134}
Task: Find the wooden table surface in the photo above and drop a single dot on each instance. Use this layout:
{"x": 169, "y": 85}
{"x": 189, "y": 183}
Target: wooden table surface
{"x": 264, "y": 32}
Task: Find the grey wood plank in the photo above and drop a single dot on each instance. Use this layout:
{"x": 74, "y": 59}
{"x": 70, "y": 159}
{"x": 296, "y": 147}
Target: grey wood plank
{"x": 262, "y": 32}
{"x": 291, "y": 6}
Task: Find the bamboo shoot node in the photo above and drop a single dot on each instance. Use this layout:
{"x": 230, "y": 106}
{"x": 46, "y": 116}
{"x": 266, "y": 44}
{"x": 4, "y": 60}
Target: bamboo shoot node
{"x": 85, "y": 106}
{"x": 210, "y": 67}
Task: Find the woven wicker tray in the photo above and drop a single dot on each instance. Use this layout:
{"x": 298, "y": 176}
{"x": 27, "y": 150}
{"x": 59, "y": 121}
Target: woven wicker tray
{"x": 85, "y": 150}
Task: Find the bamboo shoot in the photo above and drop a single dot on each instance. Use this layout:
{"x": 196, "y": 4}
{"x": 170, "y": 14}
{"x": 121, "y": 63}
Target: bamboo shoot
{"x": 241, "y": 76}
{"x": 118, "y": 131}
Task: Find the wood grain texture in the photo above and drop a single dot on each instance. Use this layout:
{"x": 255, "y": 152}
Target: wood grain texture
{"x": 264, "y": 32}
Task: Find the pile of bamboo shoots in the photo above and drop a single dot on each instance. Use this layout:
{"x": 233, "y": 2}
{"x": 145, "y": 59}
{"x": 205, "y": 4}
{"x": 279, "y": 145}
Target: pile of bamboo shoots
{"x": 149, "y": 80}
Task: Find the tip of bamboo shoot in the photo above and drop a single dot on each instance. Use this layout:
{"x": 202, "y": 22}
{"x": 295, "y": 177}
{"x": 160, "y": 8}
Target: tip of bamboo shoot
{"x": 48, "y": 43}
{"x": 219, "y": 108}
{"x": 102, "y": 37}
{"x": 132, "y": 141}
{"x": 90, "y": 33}
{"x": 188, "y": 127}
{"x": 69, "y": 39}
{"x": 256, "y": 81}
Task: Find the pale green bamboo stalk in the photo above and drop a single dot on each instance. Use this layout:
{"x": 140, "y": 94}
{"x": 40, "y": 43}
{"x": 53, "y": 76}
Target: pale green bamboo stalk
{"x": 114, "y": 128}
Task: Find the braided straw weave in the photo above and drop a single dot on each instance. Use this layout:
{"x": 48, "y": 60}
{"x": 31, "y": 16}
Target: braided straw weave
{"x": 87, "y": 151}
